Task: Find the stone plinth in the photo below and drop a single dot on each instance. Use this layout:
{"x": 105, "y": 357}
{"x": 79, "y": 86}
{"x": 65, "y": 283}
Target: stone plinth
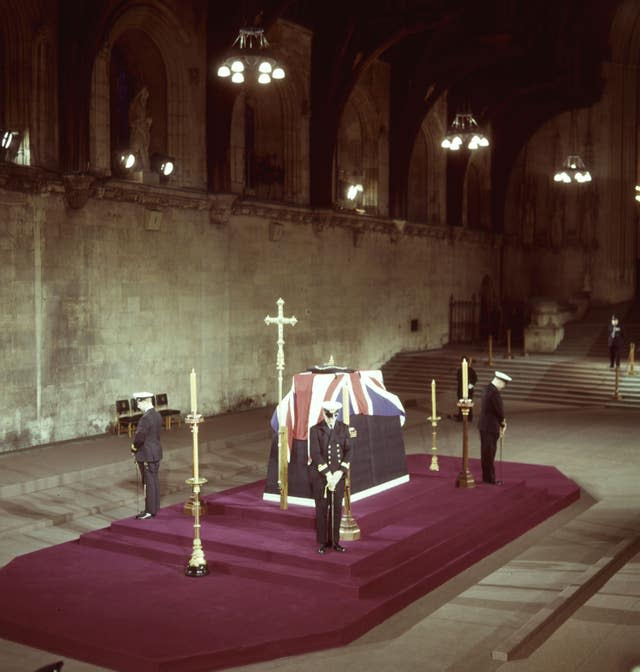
{"x": 546, "y": 330}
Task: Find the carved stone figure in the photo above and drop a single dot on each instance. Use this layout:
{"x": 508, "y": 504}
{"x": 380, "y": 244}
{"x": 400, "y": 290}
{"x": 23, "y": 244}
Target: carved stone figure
{"x": 140, "y": 127}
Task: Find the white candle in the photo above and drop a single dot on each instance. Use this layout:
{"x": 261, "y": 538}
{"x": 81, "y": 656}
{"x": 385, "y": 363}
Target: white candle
{"x": 465, "y": 379}
{"x": 345, "y": 404}
{"x": 194, "y": 398}
{"x": 433, "y": 399}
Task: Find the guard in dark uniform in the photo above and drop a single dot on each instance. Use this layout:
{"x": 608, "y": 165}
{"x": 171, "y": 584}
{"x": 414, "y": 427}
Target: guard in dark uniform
{"x": 148, "y": 452}
{"x": 614, "y": 341}
{"x": 329, "y": 447}
{"x": 492, "y": 425}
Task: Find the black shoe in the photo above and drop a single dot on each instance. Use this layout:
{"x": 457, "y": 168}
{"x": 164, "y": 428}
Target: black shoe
{"x": 340, "y": 549}
{"x": 322, "y": 548}
{"x": 143, "y": 515}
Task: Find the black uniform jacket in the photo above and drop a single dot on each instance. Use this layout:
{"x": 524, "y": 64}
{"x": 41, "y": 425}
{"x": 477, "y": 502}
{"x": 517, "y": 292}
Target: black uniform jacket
{"x": 615, "y": 337}
{"x": 492, "y": 413}
{"x": 329, "y": 448}
{"x": 147, "y": 437}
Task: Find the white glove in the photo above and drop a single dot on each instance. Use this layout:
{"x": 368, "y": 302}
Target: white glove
{"x": 330, "y": 484}
{"x": 337, "y": 475}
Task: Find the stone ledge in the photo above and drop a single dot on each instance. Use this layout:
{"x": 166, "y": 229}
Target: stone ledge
{"x": 547, "y": 619}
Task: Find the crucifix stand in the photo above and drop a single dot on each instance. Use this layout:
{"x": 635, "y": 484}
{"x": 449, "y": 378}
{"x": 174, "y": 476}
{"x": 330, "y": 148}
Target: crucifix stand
{"x": 283, "y": 444}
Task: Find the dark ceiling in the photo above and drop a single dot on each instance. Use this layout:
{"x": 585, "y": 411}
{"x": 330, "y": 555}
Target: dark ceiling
{"x": 515, "y": 64}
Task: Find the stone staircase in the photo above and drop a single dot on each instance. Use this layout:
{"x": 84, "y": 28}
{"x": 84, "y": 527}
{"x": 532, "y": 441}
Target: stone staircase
{"x": 577, "y": 374}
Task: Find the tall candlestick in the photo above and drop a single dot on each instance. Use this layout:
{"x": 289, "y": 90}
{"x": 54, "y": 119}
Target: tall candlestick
{"x": 433, "y": 399}
{"x": 465, "y": 379}
{"x": 194, "y": 397}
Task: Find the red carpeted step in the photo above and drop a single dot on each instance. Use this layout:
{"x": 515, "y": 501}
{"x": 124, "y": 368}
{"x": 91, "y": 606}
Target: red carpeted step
{"x": 133, "y": 572}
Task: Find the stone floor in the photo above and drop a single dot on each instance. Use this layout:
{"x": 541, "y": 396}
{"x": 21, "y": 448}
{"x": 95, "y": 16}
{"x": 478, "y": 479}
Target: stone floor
{"x": 55, "y": 493}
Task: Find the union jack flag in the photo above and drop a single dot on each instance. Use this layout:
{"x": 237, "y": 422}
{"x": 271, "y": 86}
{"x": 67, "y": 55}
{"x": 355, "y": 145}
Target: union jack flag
{"x": 301, "y": 407}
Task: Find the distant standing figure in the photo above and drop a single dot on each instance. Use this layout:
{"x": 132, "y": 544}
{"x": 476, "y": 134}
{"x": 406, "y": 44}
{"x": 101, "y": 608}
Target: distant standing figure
{"x": 140, "y": 127}
{"x": 472, "y": 378}
{"x": 148, "y": 452}
{"x": 614, "y": 341}
{"x": 492, "y": 425}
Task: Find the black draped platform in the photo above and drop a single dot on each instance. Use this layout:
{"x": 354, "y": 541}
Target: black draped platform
{"x": 378, "y": 461}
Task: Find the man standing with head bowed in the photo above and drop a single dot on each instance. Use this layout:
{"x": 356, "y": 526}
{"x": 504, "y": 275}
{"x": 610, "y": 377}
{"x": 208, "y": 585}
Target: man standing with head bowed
{"x": 148, "y": 452}
{"x": 492, "y": 425}
{"x": 329, "y": 448}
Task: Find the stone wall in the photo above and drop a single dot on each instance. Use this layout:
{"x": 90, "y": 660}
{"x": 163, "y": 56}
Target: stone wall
{"x": 140, "y": 285}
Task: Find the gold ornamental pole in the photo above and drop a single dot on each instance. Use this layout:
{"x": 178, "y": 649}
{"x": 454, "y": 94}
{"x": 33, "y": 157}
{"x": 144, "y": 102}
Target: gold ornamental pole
{"x": 616, "y": 390}
{"x": 283, "y": 466}
{"x": 197, "y": 565}
{"x": 465, "y": 477}
{"x": 509, "y": 355}
{"x": 490, "y": 360}
{"x": 434, "y": 419}
{"x": 349, "y": 529}
{"x": 632, "y": 356}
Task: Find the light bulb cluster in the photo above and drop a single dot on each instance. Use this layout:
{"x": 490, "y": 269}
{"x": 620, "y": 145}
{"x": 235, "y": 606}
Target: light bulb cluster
{"x": 573, "y": 170}
{"x": 248, "y": 59}
{"x": 464, "y": 131}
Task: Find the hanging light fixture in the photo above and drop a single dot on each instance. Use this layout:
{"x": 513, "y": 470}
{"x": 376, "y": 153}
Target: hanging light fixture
{"x": 573, "y": 169}
{"x": 464, "y": 131}
{"x": 251, "y": 59}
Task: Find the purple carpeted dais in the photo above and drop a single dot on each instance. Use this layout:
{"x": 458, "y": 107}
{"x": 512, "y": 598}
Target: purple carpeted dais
{"x": 118, "y": 597}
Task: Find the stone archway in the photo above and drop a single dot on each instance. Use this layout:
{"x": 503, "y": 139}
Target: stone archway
{"x": 163, "y": 30}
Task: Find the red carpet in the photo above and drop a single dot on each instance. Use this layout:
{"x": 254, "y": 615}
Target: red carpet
{"x": 118, "y": 597}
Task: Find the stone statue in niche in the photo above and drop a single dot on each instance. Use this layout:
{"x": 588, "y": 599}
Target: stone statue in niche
{"x": 140, "y": 127}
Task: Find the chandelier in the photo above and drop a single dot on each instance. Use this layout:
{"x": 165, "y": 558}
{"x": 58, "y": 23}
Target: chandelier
{"x": 464, "y": 131}
{"x": 573, "y": 170}
{"x": 250, "y": 59}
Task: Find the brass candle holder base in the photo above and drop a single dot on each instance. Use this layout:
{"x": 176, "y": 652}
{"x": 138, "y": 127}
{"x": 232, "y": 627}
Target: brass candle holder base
{"x": 434, "y": 466}
{"x": 349, "y": 530}
{"x": 197, "y": 565}
{"x": 465, "y": 477}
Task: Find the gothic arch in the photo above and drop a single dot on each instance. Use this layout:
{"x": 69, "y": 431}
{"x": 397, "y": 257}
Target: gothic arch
{"x": 44, "y": 109}
{"x": 357, "y": 156}
{"x": 16, "y": 38}
{"x": 425, "y": 193}
{"x": 165, "y": 31}
{"x": 270, "y": 136}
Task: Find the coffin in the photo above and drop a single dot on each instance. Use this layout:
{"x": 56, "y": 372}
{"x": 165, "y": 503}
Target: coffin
{"x": 378, "y": 461}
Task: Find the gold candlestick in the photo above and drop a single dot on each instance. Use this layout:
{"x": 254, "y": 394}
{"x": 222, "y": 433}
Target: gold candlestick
{"x": 434, "y": 466}
{"x": 631, "y": 371}
{"x": 197, "y": 565}
{"x": 616, "y": 391}
{"x": 490, "y": 360}
{"x": 509, "y": 354}
{"x": 465, "y": 477}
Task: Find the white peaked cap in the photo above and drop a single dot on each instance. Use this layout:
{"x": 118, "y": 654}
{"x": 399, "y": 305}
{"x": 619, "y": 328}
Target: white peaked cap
{"x": 142, "y": 395}
{"x": 503, "y": 376}
{"x": 331, "y": 406}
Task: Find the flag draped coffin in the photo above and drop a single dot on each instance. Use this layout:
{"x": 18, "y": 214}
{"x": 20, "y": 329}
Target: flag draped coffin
{"x": 378, "y": 461}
